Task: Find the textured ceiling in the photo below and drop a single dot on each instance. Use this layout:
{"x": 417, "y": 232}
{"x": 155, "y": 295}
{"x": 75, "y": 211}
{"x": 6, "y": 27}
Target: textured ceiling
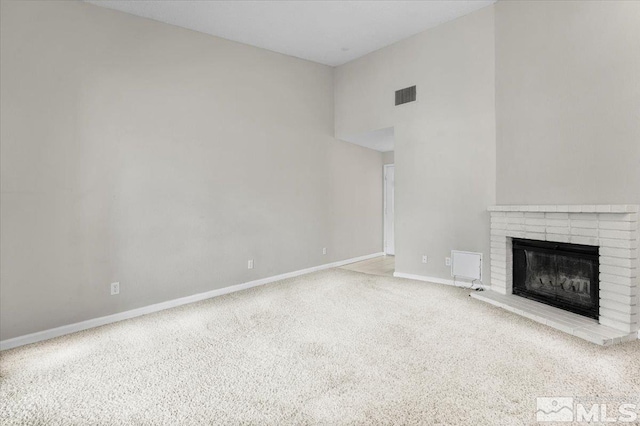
{"x": 328, "y": 32}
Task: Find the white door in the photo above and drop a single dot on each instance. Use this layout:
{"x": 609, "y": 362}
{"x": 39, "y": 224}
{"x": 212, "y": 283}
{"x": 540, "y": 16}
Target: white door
{"x": 389, "y": 196}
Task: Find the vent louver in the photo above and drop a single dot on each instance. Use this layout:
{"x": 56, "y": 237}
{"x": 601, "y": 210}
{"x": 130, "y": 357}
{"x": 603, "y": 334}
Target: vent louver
{"x": 405, "y": 95}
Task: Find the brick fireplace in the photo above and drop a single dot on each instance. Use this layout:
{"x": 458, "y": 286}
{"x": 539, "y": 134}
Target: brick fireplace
{"x": 612, "y": 229}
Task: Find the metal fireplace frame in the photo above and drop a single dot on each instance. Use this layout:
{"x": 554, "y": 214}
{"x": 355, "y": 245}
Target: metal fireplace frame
{"x": 571, "y": 250}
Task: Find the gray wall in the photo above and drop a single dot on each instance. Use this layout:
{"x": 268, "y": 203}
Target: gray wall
{"x": 554, "y": 120}
{"x": 164, "y": 159}
{"x": 444, "y": 142}
{"x": 568, "y": 102}
{"x": 388, "y": 157}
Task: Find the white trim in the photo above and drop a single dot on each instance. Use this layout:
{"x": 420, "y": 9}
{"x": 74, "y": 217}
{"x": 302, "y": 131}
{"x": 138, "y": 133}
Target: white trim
{"x": 424, "y": 278}
{"x": 97, "y": 322}
{"x": 386, "y": 167}
{"x": 444, "y": 281}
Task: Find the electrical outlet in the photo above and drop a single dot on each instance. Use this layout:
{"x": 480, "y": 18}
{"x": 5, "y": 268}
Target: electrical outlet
{"x": 324, "y": 250}
{"x": 115, "y": 288}
{"x": 447, "y": 261}
{"x": 250, "y": 264}
{"x": 424, "y": 258}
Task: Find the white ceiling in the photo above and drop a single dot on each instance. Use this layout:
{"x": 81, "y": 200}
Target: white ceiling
{"x": 328, "y": 32}
{"x": 382, "y": 140}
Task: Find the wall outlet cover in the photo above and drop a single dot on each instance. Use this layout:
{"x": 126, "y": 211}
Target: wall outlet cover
{"x": 250, "y": 264}
{"x": 324, "y": 250}
{"x": 115, "y": 288}
{"x": 424, "y": 258}
{"x": 447, "y": 261}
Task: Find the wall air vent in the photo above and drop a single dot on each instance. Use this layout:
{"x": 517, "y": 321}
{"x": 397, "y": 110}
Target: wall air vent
{"x": 405, "y": 95}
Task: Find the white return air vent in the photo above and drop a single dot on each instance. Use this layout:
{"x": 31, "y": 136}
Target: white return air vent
{"x": 466, "y": 264}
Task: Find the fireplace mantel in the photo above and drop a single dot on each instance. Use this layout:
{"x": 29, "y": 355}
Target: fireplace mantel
{"x": 569, "y": 208}
{"x": 613, "y": 228}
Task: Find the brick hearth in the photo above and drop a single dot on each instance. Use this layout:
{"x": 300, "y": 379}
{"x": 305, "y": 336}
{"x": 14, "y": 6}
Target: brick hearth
{"x": 614, "y": 228}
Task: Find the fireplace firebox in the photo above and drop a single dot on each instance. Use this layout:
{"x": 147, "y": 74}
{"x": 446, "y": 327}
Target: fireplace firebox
{"x": 557, "y": 274}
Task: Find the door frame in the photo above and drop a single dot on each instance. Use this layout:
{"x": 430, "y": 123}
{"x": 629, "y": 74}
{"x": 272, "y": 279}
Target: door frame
{"x": 385, "y": 167}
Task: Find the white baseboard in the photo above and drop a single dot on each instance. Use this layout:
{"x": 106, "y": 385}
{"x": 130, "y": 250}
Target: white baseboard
{"x": 423, "y": 278}
{"x": 97, "y": 322}
{"x": 458, "y": 283}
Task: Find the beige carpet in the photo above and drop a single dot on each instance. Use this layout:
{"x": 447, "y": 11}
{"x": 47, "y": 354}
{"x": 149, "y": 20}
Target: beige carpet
{"x": 334, "y": 347}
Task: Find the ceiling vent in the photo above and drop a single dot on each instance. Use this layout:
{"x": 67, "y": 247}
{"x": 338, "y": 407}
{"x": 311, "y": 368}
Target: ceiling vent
{"x": 405, "y": 95}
